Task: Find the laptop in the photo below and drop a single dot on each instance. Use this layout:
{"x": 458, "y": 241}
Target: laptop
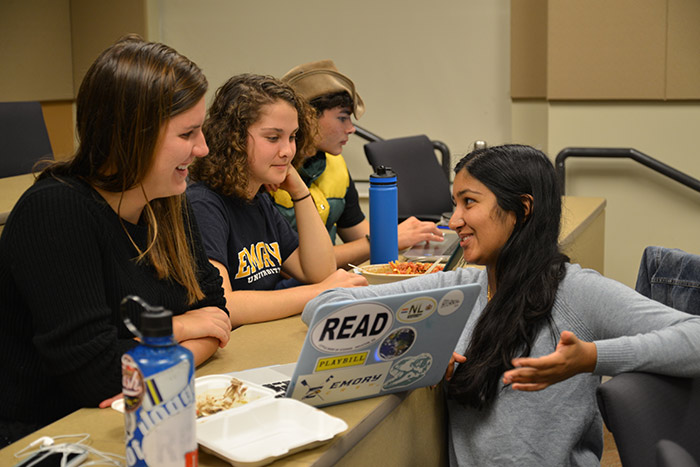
{"x": 431, "y": 251}
{"x": 374, "y": 346}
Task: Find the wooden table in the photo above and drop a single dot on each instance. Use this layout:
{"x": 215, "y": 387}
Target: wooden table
{"x": 399, "y": 429}
{"x": 383, "y": 428}
{"x": 11, "y": 188}
{"x": 582, "y": 234}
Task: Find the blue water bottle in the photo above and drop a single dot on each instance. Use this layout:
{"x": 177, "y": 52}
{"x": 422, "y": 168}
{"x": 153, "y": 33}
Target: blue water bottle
{"x": 158, "y": 388}
{"x": 383, "y": 216}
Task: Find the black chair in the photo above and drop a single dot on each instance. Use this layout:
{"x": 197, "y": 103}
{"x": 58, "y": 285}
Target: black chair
{"x": 23, "y": 137}
{"x": 655, "y": 419}
{"x": 642, "y": 409}
{"x": 670, "y": 454}
{"x": 423, "y": 183}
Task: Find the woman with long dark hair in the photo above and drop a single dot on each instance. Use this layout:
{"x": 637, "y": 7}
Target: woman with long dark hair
{"x": 543, "y": 331}
{"x": 110, "y": 222}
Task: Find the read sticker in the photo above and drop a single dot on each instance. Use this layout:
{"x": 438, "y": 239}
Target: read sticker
{"x": 351, "y": 328}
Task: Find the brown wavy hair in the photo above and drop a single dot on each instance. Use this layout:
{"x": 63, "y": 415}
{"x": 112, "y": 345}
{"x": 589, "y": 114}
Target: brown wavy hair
{"x": 125, "y": 100}
{"x": 238, "y": 105}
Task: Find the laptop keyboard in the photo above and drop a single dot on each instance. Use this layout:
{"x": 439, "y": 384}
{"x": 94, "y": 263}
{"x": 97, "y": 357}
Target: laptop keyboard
{"x": 280, "y": 387}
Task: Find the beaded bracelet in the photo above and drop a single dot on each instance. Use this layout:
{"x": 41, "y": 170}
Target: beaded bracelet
{"x": 302, "y": 198}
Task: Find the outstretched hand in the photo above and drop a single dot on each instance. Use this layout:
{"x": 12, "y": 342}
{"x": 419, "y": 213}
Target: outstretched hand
{"x": 571, "y": 357}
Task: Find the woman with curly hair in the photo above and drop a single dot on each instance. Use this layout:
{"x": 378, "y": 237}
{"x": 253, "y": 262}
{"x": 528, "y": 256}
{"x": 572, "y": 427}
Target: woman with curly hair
{"x": 543, "y": 331}
{"x": 253, "y": 128}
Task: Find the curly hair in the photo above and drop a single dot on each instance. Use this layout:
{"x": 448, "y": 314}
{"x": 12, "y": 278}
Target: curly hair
{"x": 238, "y": 105}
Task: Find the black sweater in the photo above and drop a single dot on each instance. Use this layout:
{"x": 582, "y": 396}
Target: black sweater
{"x": 65, "y": 265}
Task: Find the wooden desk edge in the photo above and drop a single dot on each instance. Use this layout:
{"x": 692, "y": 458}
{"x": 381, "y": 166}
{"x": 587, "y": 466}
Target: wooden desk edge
{"x": 568, "y": 237}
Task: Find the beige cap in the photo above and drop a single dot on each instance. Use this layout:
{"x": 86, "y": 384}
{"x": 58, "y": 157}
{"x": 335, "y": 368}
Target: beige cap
{"x": 316, "y": 79}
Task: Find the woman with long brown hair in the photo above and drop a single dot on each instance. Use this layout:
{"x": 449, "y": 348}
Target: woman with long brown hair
{"x": 111, "y": 221}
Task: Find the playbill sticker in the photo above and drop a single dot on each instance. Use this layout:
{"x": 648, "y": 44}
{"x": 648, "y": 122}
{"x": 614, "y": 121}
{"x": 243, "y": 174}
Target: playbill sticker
{"x": 342, "y": 361}
{"x": 351, "y": 383}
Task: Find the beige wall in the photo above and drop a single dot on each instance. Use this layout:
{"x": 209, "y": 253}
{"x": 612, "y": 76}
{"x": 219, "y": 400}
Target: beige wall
{"x": 643, "y": 207}
{"x": 35, "y": 50}
{"x": 439, "y": 68}
{"x": 613, "y": 70}
{"x": 96, "y": 24}
{"x": 46, "y": 46}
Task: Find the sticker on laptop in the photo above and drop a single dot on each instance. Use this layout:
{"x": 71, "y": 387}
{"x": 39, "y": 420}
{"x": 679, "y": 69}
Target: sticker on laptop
{"x": 397, "y": 343}
{"x": 450, "y": 302}
{"x": 408, "y": 370}
{"x": 340, "y": 385}
{"x": 416, "y": 309}
{"x": 352, "y": 328}
{"x": 341, "y": 361}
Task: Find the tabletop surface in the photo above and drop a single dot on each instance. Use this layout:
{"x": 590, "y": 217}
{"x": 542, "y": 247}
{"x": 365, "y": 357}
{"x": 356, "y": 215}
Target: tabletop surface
{"x": 251, "y": 346}
{"x": 263, "y": 344}
{"x": 11, "y": 188}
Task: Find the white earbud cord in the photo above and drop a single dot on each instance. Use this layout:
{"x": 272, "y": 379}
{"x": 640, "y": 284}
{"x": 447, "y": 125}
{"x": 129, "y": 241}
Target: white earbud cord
{"x": 48, "y": 446}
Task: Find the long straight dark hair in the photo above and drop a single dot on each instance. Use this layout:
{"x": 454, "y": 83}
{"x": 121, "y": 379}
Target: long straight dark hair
{"x": 528, "y": 270}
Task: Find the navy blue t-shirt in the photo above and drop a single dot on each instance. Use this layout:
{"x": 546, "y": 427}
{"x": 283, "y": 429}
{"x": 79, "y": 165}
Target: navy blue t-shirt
{"x": 251, "y": 239}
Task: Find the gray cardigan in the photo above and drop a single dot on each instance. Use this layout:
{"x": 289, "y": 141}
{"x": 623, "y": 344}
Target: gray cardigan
{"x": 560, "y": 425}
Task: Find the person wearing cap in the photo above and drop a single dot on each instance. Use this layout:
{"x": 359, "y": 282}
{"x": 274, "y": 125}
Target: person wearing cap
{"x": 335, "y": 99}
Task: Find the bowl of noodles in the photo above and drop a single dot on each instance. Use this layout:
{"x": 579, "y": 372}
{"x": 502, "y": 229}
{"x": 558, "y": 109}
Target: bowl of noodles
{"x": 395, "y": 271}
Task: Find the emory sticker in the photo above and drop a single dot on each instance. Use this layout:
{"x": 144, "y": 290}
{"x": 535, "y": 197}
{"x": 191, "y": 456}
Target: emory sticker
{"x": 450, "y": 302}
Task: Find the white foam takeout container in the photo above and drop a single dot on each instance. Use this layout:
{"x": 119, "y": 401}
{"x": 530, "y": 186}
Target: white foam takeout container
{"x": 216, "y": 385}
{"x": 260, "y": 433}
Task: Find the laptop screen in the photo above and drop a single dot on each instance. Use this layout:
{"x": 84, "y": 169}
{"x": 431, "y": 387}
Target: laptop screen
{"x": 430, "y": 251}
{"x": 380, "y": 345}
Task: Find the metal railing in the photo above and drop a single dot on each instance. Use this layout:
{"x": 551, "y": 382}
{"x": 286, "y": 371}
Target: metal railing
{"x": 441, "y": 147}
{"x": 619, "y": 153}
{"x": 366, "y": 134}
